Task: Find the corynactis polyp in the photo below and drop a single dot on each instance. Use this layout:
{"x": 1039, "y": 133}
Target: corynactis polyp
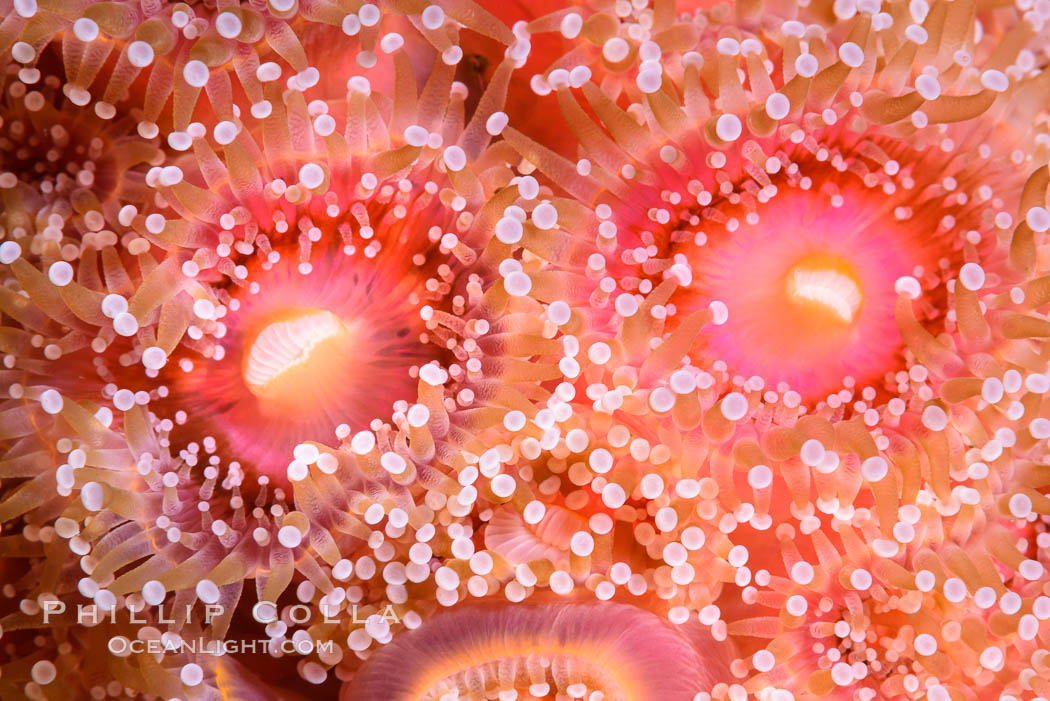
{"x": 722, "y": 380}
{"x": 809, "y": 279}
{"x": 536, "y": 651}
{"x": 390, "y": 246}
{"x": 798, "y": 213}
{"x": 302, "y": 347}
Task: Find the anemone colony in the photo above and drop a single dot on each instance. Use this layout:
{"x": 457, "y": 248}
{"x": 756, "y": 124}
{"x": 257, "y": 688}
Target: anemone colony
{"x": 473, "y": 350}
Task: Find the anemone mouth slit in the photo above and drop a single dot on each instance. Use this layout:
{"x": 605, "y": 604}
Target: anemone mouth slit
{"x": 828, "y": 286}
{"x": 300, "y": 347}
